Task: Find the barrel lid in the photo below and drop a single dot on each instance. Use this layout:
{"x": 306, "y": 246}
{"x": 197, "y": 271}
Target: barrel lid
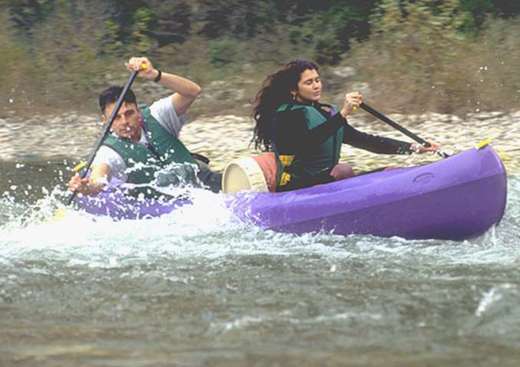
{"x": 243, "y": 174}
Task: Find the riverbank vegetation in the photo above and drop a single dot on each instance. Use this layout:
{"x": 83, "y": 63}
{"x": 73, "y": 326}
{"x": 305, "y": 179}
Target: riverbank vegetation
{"x": 451, "y": 56}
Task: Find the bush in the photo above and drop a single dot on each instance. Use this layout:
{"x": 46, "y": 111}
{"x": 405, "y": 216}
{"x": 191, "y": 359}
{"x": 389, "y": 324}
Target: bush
{"x": 446, "y": 56}
{"x": 223, "y": 52}
{"x": 417, "y": 60}
{"x": 18, "y": 74}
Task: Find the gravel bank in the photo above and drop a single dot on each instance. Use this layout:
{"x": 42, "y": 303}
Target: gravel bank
{"x": 223, "y": 138}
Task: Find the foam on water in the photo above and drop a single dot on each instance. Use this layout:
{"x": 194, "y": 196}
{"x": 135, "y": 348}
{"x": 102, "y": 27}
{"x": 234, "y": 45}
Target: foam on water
{"x": 198, "y": 280}
{"x": 207, "y": 229}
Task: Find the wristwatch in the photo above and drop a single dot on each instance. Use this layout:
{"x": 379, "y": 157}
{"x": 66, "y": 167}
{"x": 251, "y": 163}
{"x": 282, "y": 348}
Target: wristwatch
{"x": 158, "y": 77}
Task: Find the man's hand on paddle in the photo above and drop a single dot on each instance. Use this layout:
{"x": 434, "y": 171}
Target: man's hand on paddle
{"x": 93, "y": 184}
{"x": 79, "y": 185}
{"x": 144, "y": 66}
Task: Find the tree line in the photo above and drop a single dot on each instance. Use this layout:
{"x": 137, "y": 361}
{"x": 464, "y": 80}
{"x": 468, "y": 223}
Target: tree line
{"x": 329, "y": 26}
{"x": 78, "y": 38}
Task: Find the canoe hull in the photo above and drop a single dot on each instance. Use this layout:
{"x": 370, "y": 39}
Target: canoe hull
{"x": 456, "y": 198}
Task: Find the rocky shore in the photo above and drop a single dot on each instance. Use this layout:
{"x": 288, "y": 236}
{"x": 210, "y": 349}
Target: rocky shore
{"x": 226, "y": 137}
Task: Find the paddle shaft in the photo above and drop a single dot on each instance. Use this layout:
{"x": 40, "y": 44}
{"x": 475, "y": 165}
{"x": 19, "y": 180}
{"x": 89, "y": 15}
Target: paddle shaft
{"x": 398, "y": 127}
{"x": 106, "y": 129}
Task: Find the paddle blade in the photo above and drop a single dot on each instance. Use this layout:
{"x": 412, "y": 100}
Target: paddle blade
{"x": 59, "y": 214}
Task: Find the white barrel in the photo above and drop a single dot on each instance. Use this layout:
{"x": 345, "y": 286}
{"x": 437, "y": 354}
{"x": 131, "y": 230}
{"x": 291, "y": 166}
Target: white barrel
{"x": 243, "y": 174}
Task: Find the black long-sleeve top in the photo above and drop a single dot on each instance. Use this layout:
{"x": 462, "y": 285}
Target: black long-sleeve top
{"x": 292, "y": 135}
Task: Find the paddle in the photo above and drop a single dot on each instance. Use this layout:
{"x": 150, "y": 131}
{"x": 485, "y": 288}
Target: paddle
{"x": 106, "y": 130}
{"x": 396, "y": 126}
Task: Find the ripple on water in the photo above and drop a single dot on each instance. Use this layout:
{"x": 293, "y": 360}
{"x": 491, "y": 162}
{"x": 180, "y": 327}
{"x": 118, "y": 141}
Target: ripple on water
{"x": 208, "y": 230}
{"x": 197, "y": 288}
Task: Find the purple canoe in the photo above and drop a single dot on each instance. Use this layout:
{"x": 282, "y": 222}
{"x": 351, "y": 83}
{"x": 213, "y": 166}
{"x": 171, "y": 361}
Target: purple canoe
{"x": 455, "y": 198}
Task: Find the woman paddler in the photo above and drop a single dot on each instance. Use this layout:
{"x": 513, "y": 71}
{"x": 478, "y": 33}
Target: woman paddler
{"x": 304, "y": 135}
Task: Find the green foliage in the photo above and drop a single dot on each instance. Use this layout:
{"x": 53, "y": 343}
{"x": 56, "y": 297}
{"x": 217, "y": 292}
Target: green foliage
{"x": 235, "y": 18}
{"x": 329, "y": 27}
{"x": 422, "y": 62}
{"x": 223, "y": 52}
{"x": 475, "y": 14}
{"x": 412, "y": 47}
{"x": 173, "y": 22}
{"x": 141, "y": 22}
{"x": 333, "y": 21}
{"x": 506, "y": 8}
{"x": 493, "y": 73}
{"x": 25, "y": 14}
{"x": 327, "y": 49}
{"x": 109, "y": 40}
{"x": 428, "y": 50}
{"x": 15, "y": 62}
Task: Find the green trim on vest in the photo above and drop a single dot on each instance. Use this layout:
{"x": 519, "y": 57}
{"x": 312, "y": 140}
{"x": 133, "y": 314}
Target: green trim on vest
{"x": 318, "y": 161}
{"x": 143, "y": 162}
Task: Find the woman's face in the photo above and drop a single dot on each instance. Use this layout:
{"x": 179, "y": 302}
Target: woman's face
{"x": 309, "y": 87}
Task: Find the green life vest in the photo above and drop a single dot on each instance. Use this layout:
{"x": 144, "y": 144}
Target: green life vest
{"x": 316, "y": 162}
{"x": 142, "y": 161}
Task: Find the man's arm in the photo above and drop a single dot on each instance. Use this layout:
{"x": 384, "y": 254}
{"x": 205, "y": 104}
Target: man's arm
{"x": 185, "y": 91}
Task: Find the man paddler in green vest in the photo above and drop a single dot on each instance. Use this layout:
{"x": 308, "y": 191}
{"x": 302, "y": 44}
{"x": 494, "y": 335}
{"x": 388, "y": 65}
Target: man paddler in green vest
{"x": 144, "y": 140}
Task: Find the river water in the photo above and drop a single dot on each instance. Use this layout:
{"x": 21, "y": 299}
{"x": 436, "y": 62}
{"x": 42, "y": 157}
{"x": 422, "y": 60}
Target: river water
{"x": 196, "y": 288}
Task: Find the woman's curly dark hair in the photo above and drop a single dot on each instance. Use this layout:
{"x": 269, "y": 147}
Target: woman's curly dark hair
{"x": 275, "y": 91}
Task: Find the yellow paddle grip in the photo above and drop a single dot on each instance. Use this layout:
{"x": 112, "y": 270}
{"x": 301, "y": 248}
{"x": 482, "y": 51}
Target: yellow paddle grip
{"x": 484, "y": 143}
{"x": 78, "y": 167}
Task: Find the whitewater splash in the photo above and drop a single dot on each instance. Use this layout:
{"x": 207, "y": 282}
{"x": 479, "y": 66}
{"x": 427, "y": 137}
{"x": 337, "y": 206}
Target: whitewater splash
{"x": 197, "y": 279}
{"x": 206, "y": 228}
